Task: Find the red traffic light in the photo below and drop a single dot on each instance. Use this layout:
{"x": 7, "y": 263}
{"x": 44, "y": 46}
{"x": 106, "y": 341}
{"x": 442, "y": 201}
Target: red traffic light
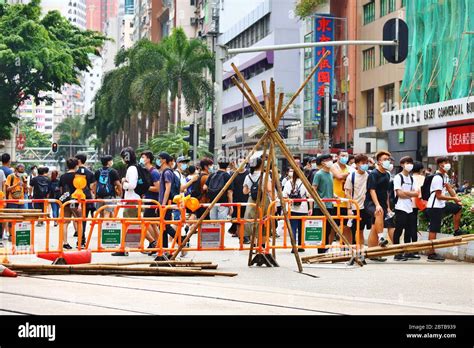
{"x": 54, "y": 147}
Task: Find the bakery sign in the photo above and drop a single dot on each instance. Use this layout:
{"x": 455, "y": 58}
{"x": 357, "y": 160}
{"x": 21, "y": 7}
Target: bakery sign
{"x": 429, "y": 115}
{"x": 452, "y": 140}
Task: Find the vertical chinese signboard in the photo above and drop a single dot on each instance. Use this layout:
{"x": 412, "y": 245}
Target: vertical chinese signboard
{"x": 323, "y": 31}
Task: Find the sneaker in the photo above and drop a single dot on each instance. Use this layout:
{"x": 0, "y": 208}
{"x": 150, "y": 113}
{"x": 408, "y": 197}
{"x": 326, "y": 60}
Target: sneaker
{"x": 378, "y": 259}
{"x": 151, "y": 245}
{"x": 67, "y": 246}
{"x": 55, "y": 224}
{"x": 383, "y": 242}
{"x": 400, "y": 257}
{"x": 412, "y": 256}
{"x": 119, "y": 253}
{"x": 300, "y": 250}
{"x": 459, "y": 233}
{"x": 435, "y": 258}
{"x": 246, "y": 240}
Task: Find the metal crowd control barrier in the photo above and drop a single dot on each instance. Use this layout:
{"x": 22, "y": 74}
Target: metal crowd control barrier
{"x": 23, "y": 229}
{"x": 119, "y": 233}
{"x": 313, "y": 228}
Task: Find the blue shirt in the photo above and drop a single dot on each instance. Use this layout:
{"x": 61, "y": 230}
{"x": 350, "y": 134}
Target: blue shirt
{"x": 166, "y": 177}
{"x": 155, "y": 176}
{"x": 6, "y": 170}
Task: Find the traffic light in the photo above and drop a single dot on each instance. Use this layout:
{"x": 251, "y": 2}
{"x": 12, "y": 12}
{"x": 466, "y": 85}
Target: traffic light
{"x": 54, "y": 147}
{"x": 395, "y": 29}
{"x": 189, "y": 138}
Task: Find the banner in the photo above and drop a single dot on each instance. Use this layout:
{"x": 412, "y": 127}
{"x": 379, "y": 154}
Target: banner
{"x": 323, "y": 31}
{"x": 23, "y": 235}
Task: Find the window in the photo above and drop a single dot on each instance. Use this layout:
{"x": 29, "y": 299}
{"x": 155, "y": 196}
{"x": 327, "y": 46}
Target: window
{"x": 193, "y": 2}
{"x": 404, "y": 2}
{"x": 370, "y": 108}
{"x": 49, "y": 111}
{"x": 388, "y": 97}
{"x": 369, "y": 12}
{"x": 386, "y": 7}
{"x": 382, "y": 58}
{"x": 368, "y": 148}
{"x": 368, "y": 59}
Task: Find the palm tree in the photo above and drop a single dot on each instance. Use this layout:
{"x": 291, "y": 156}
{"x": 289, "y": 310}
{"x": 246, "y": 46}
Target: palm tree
{"x": 72, "y": 131}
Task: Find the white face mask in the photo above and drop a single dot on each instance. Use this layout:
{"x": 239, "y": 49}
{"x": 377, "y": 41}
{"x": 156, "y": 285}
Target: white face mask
{"x": 328, "y": 164}
{"x": 447, "y": 167}
{"x": 390, "y": 167}
{"x": 290, "y": 174}
{"x": 408, "y": 167}
{"x": 314, "y": 166}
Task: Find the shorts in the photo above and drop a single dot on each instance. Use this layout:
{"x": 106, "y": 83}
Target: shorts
{"x": 365, "y": 221}
{"x": 332, "y": 212}
{"x": 150, "y": 213}
{"x": 111, "y": 207}
{"x": 436, "y": 215}
{"x": 387, "y": 223}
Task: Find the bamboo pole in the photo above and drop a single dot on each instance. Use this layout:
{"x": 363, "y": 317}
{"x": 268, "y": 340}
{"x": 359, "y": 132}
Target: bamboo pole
{"x": 219, "y": 195}
{"x": 177, "y": 263}
{"x": 285, "y": 214}
{"x": 102, "y": 269}
{"x": 259, "y": 203}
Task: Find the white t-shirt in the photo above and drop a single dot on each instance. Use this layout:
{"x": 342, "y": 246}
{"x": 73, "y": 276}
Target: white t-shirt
{"x": 407, "y": 184}
{"x": 2, "y": 179}
{"x": 360, "y": 188}
{"x": 131, "y": 183}
{"x": 303, "y": 207}
{"x": 438, "y": 184}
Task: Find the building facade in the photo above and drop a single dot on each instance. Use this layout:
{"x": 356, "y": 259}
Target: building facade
{"x": 378, "y": 82}
{"x": 268, "y": 23}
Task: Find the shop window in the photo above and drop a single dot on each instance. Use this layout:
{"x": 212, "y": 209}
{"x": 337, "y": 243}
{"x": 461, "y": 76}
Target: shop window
{"x": 368, "y": 59}
{"x": 370, "y": 108}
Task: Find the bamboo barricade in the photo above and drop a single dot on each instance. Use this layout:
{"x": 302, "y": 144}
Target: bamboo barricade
{"x": 276, "y": 138}
{"x": 393, "y": 249}
{"x": 110, "y": 270}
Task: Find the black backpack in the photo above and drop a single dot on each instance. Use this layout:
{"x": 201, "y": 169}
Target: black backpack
{"x": 104, "y": 186}
{"x": 393, "y": 195}
{"x": 426, "y": 187}
{"x": 295, "y": 194}
{"x": 196, "y": 188}
{"x": 254, "y": 188}
{"x": 217, "y": 182}
{"x": 42, "y": 189}
{"x": 144, "y": 181}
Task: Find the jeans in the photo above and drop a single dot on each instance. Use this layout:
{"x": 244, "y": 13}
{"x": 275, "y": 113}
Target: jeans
{"x": 219, "y": 213}
{"x": 296, "y": 224}
{"x": 55, "y": 209}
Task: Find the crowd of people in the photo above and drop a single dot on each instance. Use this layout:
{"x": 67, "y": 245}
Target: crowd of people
{"x": 388, "y": 203}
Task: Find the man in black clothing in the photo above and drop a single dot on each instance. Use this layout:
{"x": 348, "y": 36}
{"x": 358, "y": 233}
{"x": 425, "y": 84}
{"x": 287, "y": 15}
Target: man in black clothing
{"x": 238, "y": 197}
{"x": 66, "y": 187}
{"x": 108, "y": 185}
{"x": 214, "y": 184}
{"x": 377, "y": 200}
{"x": 40, "y": 185}
{"x": 82, "y": 170}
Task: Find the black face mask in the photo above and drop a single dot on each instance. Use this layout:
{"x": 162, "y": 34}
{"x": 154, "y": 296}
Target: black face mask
{"x": 371, "y": 167}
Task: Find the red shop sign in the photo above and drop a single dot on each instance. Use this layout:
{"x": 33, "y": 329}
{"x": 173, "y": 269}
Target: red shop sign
{"x": 460, "y": 139}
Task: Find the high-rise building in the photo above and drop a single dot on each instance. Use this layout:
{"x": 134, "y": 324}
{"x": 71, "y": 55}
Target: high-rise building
{"x": 99, "y": 11}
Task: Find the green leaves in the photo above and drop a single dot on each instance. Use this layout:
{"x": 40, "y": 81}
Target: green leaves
{"x": 305, "y": 8}
{"x": 38, "y": 55}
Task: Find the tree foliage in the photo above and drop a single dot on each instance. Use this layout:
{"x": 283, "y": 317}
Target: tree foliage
{"x": 38, "y": 54}
{"x": 72, "y": 131}
{"x": 33, "y": 137}
{"x": 146, "y": 75}
{"x": 305, "y": 8}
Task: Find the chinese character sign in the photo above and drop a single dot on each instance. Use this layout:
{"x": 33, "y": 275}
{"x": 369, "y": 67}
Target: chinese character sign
{"x": 323, "y": 31}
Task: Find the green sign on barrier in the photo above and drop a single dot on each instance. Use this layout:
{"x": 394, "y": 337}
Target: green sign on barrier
{"x": 23, "y": 234}
{"x": 313, "y": 232}
{"x": 111, "y": 234}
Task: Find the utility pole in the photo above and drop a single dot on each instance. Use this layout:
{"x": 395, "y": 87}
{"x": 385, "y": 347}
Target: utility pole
{"x": 195, "y": 137}
{"x": 220, "y": 54}
{"x": 327, "y": 116}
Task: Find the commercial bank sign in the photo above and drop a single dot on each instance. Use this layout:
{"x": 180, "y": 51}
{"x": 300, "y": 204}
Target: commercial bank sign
{"x": 429, "y": 115}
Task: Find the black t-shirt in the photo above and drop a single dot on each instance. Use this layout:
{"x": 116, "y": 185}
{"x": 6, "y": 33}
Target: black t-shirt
{"x": 380, "y": 183}
{"x": 238, "y": 192}
{"x": 65, "y": 183}
{"x": 226, "y": 175}
{"x": 90, "y": 180}
{"x": 40, "y": 183}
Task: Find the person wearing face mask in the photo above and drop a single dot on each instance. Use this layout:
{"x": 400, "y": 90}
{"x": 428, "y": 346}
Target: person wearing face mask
{"x": 404, "y": 189}
{"x": 340, "y": 171}
{"x": 356, "y": 188}
{"x": 377, "y": 200}
{"x": 239, "y": 197}
{"x": 324, "y": 185}
{"x": 438, "y": 207}
{"x": 15, "y": 187}
{"x": 108, "y": 185}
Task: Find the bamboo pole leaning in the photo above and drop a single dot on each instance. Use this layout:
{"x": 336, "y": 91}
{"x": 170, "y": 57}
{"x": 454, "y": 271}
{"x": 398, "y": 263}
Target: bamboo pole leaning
{"x": 392, "y": 249}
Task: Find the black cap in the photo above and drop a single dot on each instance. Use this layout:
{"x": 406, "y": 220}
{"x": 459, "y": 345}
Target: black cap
{"x": 165, "y": 155}
{"x": 322, "y": 158}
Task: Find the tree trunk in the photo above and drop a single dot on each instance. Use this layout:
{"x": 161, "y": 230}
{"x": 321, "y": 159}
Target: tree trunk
{"x": 179, "y": 102}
